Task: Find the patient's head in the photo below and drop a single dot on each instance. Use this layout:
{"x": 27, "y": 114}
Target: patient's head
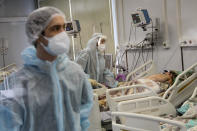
{"x": 173, "y": 74}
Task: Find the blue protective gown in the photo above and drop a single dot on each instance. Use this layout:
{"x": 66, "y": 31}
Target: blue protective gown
{"x": 46, "y": 96}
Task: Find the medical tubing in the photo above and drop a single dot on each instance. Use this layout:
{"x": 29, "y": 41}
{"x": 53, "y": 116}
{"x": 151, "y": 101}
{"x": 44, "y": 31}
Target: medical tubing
{"x": 134, "y": 59}
{"x": 152, "y": 44}
{"x": 127, "y": 61}
{"x": 80, "y": 41}
{"x": 137, "y": 61}
{"x": 147, "y": 55}
{"x": 130, "y": 33}
{"x": 143, "y": 55}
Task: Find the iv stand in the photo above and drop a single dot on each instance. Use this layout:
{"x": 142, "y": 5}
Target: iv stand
{"x": 3, "y": 50}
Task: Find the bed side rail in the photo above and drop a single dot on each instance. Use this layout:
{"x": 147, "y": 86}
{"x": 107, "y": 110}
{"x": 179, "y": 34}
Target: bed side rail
{"x": 95, "y": 117}
{"x": 8, "y": 67}
{"x": 194, "y": 95}
{"x": 183, "y": 86}
{"x": 113, "y": 101}
{"x": 134, "y": 122}
{"x": 150, "y": 105}
{"x": 100, "y": 91}
{"x": 147, "y": 69}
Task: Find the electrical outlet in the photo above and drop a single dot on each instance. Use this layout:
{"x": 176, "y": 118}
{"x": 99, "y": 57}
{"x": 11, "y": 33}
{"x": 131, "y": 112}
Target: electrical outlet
{"x": 189, "y": 43}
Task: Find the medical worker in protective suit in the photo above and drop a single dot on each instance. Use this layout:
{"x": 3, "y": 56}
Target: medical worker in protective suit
{"x": 93, "y": 63}
{"x": 51, "y": 93}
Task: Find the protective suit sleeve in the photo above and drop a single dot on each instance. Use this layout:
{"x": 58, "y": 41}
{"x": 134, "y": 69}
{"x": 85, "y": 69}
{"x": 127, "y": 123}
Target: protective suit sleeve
{"x": 86, "y": 104}
{"x": 109, "y": 79}
{"x": 1, "y": 86}
{"x": 11, "y": 116}
{"x": 82, "y": 59}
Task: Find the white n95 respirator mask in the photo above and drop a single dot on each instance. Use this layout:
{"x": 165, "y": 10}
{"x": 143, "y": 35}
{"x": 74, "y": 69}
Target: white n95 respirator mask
{"x": 101, "y": 45}
{"x": 58, "y": 44}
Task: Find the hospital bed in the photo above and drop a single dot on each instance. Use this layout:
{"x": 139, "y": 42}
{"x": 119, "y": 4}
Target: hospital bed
{"x": 147, "y": 69}
{"x": 132, "y": 115}
{"x": 95, "y": 116}
{"x": 156, "y": 105}
{"x": 133, "y": 122}
{"x": 6, "y": 71}
{"x": 180, "y": 91}
{"x": 100, "y": 91}
{"x": 144, "y": 70}
{"x": 172, "y": 97}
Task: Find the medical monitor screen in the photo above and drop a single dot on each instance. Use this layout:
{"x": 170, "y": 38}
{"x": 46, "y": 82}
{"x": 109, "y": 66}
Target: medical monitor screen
{"x": 136, "y": 18}
{"x": 69, "y": 26}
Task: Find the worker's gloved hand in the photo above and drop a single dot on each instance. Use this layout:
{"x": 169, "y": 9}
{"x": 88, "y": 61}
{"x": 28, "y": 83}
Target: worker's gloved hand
{"x": 93, "y": 82}
{"x": 121, "y": 83}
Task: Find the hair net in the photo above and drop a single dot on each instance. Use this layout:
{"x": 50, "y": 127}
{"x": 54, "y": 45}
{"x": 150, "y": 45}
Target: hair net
{"x": 38, "y": 20}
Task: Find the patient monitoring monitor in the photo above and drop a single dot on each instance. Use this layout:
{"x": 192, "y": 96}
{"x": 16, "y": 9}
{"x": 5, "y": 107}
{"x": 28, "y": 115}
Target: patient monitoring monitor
{"x": 140, "y": 18}
{"x": 73, "y": 27}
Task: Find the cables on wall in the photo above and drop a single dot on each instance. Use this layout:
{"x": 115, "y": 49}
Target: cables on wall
{"x": 152, "y": 42}
{"x": 130, "y": 33}
{"x": 140, "y": 51}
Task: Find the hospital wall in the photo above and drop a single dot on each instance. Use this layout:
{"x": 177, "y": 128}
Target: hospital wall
{"x": 164, "y": 58}
{"x": 12, "y": 28}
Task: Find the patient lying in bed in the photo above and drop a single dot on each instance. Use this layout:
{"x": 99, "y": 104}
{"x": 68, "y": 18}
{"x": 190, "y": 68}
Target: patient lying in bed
{"x": 158, "y": 82}
{"x": 166, "y": 77}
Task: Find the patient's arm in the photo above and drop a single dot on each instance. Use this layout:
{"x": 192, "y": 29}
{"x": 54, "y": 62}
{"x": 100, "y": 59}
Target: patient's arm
{"x": 164, "y": 78}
